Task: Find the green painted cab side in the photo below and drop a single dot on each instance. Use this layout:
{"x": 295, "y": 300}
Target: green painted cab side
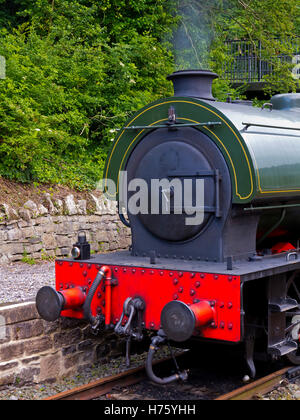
{"x": 188, "y": 111}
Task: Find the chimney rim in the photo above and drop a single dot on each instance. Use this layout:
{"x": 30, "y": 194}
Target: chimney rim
{"x": 193, "y": 73}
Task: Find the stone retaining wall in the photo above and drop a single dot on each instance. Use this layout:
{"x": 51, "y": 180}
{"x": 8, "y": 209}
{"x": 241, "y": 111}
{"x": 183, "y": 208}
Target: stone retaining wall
{"x": 34, "y": 351}
{"x": 48, "y": 230}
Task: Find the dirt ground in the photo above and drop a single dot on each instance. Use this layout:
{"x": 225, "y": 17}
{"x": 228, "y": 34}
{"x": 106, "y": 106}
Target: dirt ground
{"x": 16, "y": 194}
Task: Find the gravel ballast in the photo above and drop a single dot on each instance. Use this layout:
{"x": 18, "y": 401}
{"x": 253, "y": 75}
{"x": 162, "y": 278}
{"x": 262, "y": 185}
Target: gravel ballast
{"x": 20, "y": 282}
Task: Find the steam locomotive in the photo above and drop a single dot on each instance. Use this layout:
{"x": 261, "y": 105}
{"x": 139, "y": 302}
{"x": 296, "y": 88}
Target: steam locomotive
{"x": 232, "y": 276}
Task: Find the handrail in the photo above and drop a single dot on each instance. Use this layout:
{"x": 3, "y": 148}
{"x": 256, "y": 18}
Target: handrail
{"x": 170, "y": 126}
{"x": 249, "y": 124}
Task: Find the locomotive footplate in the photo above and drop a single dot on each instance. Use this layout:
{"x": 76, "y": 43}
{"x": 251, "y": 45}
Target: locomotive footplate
{"x": 189, "y": 282}
{"x": 156, "y": 285}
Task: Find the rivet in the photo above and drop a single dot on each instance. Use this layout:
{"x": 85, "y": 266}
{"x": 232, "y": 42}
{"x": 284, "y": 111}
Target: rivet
{"x": 216, "y": 277}
{"x": 175, "y": 297}
{"x": 162, "y": 273}
{"x": 175, "y": 281}
{"x": 180, "y": 290}
{"x": 152, "y": 325}
{"x": 85, "y": 273}
{"x": 192, "y": 293}
{"x": 193, "y": 275}
{"x": 212, "y": 304}
{"x": 197, "y": 284}
{"x": 99, "y": 295}
{"x": 180, "y": 274}
{"x": 230, "y": 278}
{"x": 222, "y": 305}
{"x": 116, "y": 270}
{"x": 202, "y": 276}
{"x": 89, "y": 282}
{"x": 230, "y": 326}
{"x": 171, "y": 274}
{"x": 124, "y": 270}
{"x": 151, "y": 272}
{"x": 143, "y": 271}
{"x": 89, "y": 266}
{"x": 81, "y": 265}
{"x": 71, "y": 264}
{"x": 222, "y": 325}
{"x": 99, "y": 310}
{"x": 133, "y": 271}
{"x": 230, "y": 305}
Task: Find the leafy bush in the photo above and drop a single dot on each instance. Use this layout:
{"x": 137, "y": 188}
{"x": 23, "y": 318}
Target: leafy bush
{"x": 76, "y": 71}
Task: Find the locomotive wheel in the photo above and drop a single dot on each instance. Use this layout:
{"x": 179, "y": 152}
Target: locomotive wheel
{"x": 293, "y": 318}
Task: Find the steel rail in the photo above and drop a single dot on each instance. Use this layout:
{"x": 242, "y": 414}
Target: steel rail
{"x": 103, "y": 386}
{"x": 260, "y": 387}
{"x": 131, "y": 377}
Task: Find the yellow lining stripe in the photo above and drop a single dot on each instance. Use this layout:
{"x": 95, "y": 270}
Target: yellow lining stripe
{"x": 196, "y": 122}
{"x": 192, "y": 103}
{"x": 133, "y": 141}
{"x": 228, "y": 154}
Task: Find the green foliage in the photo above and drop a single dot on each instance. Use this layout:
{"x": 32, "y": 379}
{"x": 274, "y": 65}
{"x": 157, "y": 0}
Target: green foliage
{"x": 75, "y": 72}
{"x": 206, "y": 26}
{"x": 27, "y": 259}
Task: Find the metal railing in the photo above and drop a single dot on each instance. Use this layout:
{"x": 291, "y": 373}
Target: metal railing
{"x": 248, "y": 65}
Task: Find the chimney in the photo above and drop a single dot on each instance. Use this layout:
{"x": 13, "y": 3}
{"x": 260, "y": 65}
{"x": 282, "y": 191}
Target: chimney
{"x": 193, "y": 83}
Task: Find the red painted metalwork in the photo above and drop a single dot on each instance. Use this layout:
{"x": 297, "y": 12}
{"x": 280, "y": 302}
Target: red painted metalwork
{"x": 108, "y": 288}
{"x": 282, "y": 247}
{"x": 157, "y": 287}
{"x": 204, "y": 313}
{"x": 74, "y": 298}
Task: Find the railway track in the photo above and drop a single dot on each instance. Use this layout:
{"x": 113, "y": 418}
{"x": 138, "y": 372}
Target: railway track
{"x": 104, "y": 386}
{"x": 260, "y": 387}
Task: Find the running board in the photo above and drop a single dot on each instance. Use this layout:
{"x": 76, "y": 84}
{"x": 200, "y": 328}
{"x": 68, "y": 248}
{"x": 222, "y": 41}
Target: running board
{"x": 283, "y": 305}
{"x": 281, "y": 349}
